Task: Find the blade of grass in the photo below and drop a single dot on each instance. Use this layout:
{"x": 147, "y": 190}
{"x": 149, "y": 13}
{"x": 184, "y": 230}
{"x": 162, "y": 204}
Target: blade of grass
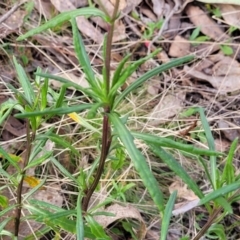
{"x": 139, "y": 161}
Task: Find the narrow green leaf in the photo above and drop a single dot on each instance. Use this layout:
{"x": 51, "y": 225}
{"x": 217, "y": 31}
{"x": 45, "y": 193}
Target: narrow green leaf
{"x": 57, "y": 111}
{"x": 39, "y": 233}
{"x": 82, "y": 54}
{"x": 79, "y": 223}
{"x": 211, "y": 144}
{"x": 119, "y": 69}
{"x": 96, "y": 228}
{"x": 24, "y": 81}
{"x": 128, "y": 71}
{"x": 6, "y": 108}
{"x": 227, "y": 50}
{"x": 151, "y": 73}
{"x": 63, "y": 17}
{"x": 220, "y": 192}
{"x": 59, "y": 140}
{"x": 206, "y": 170}
{"x": 61, "y": 97}
{"x": 195, "y": 34}
{"x": 39, "y": 146}
{"x": 63, "y": 170}
{"x": 206, "y": 128}
{"x": 68, "y": 83}
{"x": 228, "y": 175}
{"x": 222, "y": 201}
{"x": 4, "y": 211}
{"x": 5, "y": 155}
{"x": 167, "y": 215}
{"x": 165, "y": 142}
{"x": 177, "y": 168}
{"x": 44, "y": 94}
{"x": 139, "y": 161}
{"x": 4, "y": 223}
{"x": 3, "y": 201}
{"x": 216, "y": 231}
{"x": 39, "y": 161}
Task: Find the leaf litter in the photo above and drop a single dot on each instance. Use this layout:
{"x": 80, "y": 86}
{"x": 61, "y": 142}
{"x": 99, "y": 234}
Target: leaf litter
{"x": 211, "y": 82}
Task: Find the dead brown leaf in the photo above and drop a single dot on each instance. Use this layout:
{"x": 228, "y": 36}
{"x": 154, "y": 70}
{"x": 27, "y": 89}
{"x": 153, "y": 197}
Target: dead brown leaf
{"x": 159, "y": 7}
{"x": 49, "y": 195}
{"x": 122, "y": 212}
{"x": 182, "y": 191}
{"x": 229, "y": 132}
{"x": 14, "y": 126}
{"x": 168, "y": 107}
{"x": 208, "y": 26}
{"x": 221, "y": 145}
{"x": 122, "y": 4}
{"x": 12, "y": 23}
{"x": 231, "y": 14}
{"x": 180, "y": 47}
{"x": 45, "y": 8}
{"x": 224, "y": 84}
{"x": 83, "y": 24}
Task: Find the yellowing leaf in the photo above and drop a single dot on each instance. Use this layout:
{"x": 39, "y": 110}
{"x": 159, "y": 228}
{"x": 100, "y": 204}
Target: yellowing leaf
{"x": 31, "y": 181}
{"x": 13, "y": 157}
{"x": 78, "y": 119}
{"x": 3, "y": 201}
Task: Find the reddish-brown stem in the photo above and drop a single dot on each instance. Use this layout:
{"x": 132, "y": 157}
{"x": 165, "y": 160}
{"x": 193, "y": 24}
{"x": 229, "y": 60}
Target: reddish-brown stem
{"x": 106, "y": 142}
{"x": 106, "y": 130}
{"x": 208, "y": 224}
{"x": 20, "y": 185}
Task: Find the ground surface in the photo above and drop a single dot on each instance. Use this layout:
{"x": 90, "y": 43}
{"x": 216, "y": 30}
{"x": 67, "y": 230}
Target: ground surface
{"x": 210, "y": 31}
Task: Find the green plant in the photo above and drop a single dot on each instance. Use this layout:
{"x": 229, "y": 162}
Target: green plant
{"x": 151, "y": 28}
{"x": 106, "y": 96}
{"x": 197, "y": 38}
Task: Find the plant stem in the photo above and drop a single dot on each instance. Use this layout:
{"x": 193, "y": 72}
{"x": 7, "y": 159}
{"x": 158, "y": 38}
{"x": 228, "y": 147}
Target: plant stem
{"x": 106, "y": 129}
{"x": 20, "y": 185}
{"x": 208, "y": 224}
{"x": 106, "y": 142}
{"x": 107, "y": 62}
